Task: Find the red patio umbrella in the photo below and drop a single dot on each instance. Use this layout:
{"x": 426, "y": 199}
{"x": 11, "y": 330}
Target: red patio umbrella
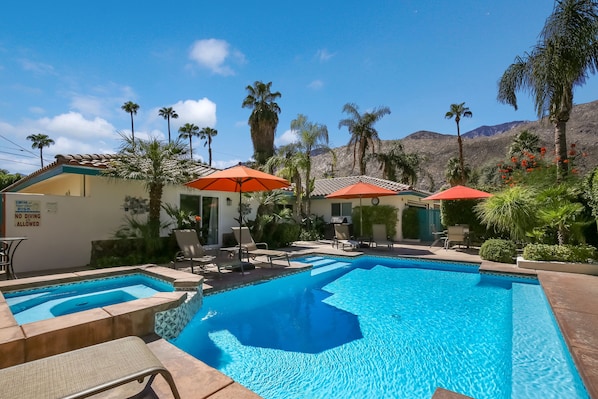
{"x": 241, "y": 179}
{"x": 361, "y": 190}
{"x": 458, "y": 193}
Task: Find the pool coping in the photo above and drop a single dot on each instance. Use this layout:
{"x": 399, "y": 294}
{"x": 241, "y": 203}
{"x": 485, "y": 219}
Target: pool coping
{"x": 31, "y": 341}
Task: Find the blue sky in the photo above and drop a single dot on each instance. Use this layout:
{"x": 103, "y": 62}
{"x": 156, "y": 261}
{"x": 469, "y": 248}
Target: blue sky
{"x": 66, "y": 67}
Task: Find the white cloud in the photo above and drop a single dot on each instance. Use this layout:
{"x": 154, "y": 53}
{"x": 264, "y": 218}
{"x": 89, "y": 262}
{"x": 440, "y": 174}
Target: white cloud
{"x": 324, "y": 55}
{"x": 316, "y": 84}
{"x": 37, "y": 67}
{"x": 225, "y": 164}
{"x": 201, "y": 112}
{"x": 73, "y": 124}
{"x": 287, "y": 137}
{"x": 213, "y": 54}
{"x": 89, "y": 105}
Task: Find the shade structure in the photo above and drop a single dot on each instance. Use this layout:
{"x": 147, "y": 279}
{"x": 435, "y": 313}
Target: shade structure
{"x": 241, "y": 179}
{"x": 361, "y": 190}
{"x": 458, "y": 193}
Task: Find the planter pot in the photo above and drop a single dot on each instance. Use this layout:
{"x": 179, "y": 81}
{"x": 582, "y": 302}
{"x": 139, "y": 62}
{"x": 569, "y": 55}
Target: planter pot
{"x": 580, "y": 268}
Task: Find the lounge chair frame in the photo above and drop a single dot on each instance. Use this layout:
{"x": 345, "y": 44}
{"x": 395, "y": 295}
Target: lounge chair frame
{"x": 85, "y": 372}
{"x": 342, "y": 238}
{"x": 380, "y": 237}
{"x": 250, "y": 248}
{"x": 191, "y": 250}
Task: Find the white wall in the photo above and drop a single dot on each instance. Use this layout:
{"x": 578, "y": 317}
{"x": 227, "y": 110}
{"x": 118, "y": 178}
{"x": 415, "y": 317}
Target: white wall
{"x": 70, "y": 223}
{"x": 322, "y": 207}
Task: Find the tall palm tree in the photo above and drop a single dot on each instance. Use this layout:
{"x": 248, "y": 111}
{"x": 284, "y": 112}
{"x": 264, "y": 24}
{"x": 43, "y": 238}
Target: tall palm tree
{"x": 40, "y": 141}
{"x": 564, "y": 57}
{"x": 361, "y": 128}
{"x": 157, "y": 164}
{"x": 206, "y": 134}
{"x": 131, "y": 108}
{"x": 263, "y": 120}
{"x": 459, "y": 111}
{"x": 187, "y": 131}
{"x": 311, "y": 137}
{"x": 168, "y": 113}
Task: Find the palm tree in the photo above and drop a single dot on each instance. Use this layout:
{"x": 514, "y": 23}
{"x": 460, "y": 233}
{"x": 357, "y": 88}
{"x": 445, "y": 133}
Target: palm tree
{"x": 131, "y": 108}
{"x": 206, "y": 134}
{"x": 455, "y": 174}
{"x": 168, "y": 113}
{"x": 187, "y": 131}
{"x": 311, "y": 137}
{"x": 263, "y": 119}
{"x": 524, "y": 142}
{"x": 288, "y": 161}
{"x": 40, "y": 141}
{"x": 511, "y": 211}
{"x": 459, "y": 111}
{"x": 361, "y": 128}
{"x": 566, "y": 54}
{"x": 396, "y": 159}
{"x": 157, "y": 164}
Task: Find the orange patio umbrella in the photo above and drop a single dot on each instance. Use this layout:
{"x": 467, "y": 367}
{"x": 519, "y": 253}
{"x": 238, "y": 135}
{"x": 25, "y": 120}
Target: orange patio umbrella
{"x": 241, "y": 179}
{"x": 458, "y": 193}
{"x": 361, "y": 190}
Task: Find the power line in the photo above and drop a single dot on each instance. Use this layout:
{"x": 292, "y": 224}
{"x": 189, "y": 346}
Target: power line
{"x": 24, "y": 163}
{"x": 18, "y": 145}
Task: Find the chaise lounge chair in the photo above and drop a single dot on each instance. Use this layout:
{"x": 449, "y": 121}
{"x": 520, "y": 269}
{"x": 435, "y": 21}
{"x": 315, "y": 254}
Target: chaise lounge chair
{"x": 191, "y": 249}
{"x": 88, "y": 371}
{"x": 343, "y": 238}
{"x": 251, "y": 248}
{"x": 379, "y": 236}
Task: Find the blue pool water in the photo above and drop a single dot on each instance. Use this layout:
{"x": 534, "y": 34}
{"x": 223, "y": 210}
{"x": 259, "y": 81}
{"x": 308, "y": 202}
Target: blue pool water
{"x": 381, "y": 328}
{"x": 58, "y": 300}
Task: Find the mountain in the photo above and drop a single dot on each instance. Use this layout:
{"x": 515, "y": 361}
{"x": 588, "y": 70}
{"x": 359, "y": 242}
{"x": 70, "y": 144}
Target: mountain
{"x": 478, "y": 149}
{"x": 492, "y": 130}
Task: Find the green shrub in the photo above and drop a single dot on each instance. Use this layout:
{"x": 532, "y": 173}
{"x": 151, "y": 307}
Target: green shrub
{"x": 498, "y": 250}
{"x": 560, "y": 253}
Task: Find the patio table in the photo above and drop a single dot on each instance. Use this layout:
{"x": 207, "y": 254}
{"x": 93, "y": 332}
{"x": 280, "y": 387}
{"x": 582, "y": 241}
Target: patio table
{"x": 8, "y": 247}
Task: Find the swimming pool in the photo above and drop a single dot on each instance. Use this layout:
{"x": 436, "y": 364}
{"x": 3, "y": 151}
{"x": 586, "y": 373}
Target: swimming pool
{"x": 376, "y": 327}
{"x": 47, "y": 302}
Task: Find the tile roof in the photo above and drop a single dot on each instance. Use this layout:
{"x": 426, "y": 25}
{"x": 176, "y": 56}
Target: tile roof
{"x": 97, "y": 161}
{"x": 323, "y": 187}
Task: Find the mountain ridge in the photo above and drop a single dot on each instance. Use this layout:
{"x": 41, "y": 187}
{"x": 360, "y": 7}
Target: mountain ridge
{"x": 485, "y": 145}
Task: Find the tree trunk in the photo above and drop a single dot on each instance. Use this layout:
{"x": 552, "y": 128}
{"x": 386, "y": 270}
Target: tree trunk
{"x": 461, "y": 160}
{"x": 155, "y": 203}
{"x": 560, "y": 148}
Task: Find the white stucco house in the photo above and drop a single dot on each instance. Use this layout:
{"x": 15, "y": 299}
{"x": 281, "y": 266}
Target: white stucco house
{"x": 69, "y": 203}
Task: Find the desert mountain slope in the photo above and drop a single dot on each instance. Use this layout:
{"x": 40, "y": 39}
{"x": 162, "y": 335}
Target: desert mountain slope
{"x": 479, "y": 150}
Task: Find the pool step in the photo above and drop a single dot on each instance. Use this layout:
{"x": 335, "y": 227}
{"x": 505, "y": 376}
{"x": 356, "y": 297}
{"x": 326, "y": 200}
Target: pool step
{"x": 329, "y": 267}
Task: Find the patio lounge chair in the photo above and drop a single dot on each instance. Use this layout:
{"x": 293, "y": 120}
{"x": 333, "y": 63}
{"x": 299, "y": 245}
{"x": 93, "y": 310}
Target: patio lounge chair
{"x": 191, "y": 249}
{"x": 87, "y": 371}
{"x": 379, "y": 236}
{"x": 251, "y": 248}
{"x": 343, "y": 238}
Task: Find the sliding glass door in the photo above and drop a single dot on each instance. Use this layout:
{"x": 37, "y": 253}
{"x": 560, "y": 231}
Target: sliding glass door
{"x": 207, "y": 208}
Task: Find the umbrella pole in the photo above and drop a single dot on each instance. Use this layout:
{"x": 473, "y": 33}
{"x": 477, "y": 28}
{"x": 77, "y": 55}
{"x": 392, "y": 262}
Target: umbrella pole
{"x": 360, "y": 218}
{"x": 241, "y": 229}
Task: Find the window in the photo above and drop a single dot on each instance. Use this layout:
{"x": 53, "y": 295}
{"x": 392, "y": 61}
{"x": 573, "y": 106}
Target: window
{"x": 340, "y": 209}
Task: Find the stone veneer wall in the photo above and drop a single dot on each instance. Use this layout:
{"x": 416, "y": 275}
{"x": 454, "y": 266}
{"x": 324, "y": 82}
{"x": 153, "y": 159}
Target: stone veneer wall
{"x": 170, "y": 323}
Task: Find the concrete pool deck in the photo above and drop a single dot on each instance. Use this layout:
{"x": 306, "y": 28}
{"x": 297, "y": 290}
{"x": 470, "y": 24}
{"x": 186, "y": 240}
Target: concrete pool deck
{"x": 573, "y": 298}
